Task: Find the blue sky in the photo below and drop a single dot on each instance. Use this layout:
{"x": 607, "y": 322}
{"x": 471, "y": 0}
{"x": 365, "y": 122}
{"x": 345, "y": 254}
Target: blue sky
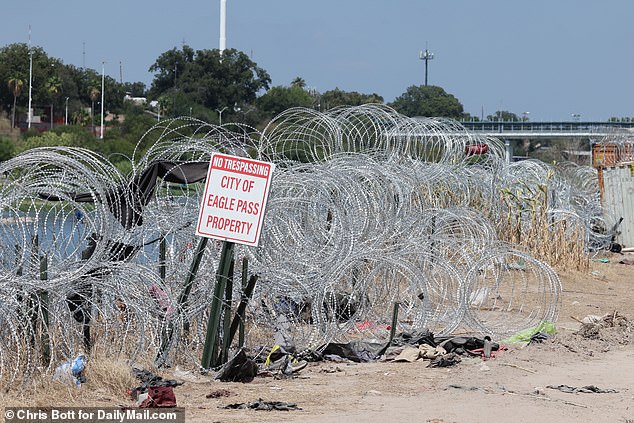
{"x": 551, "y": 58}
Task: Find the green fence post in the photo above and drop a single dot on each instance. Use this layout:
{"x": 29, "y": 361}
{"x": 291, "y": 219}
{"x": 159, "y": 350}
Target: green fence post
{"x": 394, "y": 320}
{"x": 245, "y": 271}
{"x": 213, "y": 324}
{"x": 238, "y": 321}
{"x": 43, "y": 305}
{"x": 226, "y": 317}
{"x": 193, "y": 270}
{"x": 162, "y": 253}
{"x": 33, "y": 301}
{"x": 168, "y": 330}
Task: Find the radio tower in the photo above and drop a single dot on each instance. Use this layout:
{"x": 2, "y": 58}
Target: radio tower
{"x": 426, "y": 56}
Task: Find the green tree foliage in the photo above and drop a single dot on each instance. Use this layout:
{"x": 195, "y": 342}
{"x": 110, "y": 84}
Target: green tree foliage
{"x": 47, "y": 139}
{"x": 53, "y": 82}
{"x": 15, "y": 86}
{"x": 135, "y": 89}
{"x": 14, "y": 63}
{"x": 430, "y": 100}
{"x": 504, "y": 116}
{"x": 337, "y": 97}
{"x": 6, "y": 149}
{"x": 298, "y": 82}
{"x": 209, "y": 78}
{"x": 279, "y": 98}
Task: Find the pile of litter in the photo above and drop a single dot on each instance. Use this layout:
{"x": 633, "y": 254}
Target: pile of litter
{"x": 612, "y": 328}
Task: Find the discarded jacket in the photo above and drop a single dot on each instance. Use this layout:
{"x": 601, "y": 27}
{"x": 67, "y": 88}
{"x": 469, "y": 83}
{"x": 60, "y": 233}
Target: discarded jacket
{"x": 239, "y": 369}
{"x": 159, "y": 397}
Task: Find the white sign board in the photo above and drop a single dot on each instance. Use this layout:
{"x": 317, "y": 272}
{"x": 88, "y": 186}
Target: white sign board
{"x": 235, "y": 196}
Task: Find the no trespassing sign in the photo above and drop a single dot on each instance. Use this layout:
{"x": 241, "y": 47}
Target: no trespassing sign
{"x": 233, "y": 204}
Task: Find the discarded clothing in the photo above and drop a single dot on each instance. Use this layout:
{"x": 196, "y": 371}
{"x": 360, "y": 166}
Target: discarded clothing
{"x": 408, "y": 354}
{"x": 260, "y": 404}
{"x": 590, "y": 389}
{"x": 392, "y": 352}
{"x": 285, "y": 367}
{"x": 159, "y": 397}
{"x": 357, "y": 351}
{"x": 239, "y": 369}
{"x": 414, "y": 339}
{"x": 429, "y": 352}
{"x": 219, "y": 393}
{"x": 465, "y": 344}
{"x": 524, "y": 336}
{"x": 148, "y": 380}
{"x": 362, "y": 351}
{"x": 539, "y": 337}
{"x": 447, "y": 360}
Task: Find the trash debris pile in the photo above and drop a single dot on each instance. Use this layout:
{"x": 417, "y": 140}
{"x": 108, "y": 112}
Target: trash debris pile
{"x": 611, "y": 327}
{"x": 154, "y": 391}
{"x": 71, "y": 372}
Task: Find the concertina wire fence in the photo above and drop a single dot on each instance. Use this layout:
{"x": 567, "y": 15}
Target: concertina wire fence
{"x": 367, "y": 208}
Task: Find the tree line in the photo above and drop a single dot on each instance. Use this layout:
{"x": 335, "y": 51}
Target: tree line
{"x": 206, "y": 84}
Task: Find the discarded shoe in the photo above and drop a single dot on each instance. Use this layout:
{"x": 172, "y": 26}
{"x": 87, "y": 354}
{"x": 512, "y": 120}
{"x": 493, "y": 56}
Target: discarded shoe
{"x": 299, "y": 365}
{"x": 286, "y": 364}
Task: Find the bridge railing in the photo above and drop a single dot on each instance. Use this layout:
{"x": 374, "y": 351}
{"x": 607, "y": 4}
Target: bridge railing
{"x": 490, "y": 126}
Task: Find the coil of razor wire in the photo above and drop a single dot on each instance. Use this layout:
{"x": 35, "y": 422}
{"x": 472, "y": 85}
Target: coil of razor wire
{"x": 367, "y": 209}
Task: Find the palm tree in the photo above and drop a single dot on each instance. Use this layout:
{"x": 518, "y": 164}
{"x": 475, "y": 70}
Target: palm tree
{"x": 80, "y": 117}
{"x": 94, "y": 94}
{"x": 298, "y": 82}
{"x": 54, "y": 88}
{"x": 15, "y": 85}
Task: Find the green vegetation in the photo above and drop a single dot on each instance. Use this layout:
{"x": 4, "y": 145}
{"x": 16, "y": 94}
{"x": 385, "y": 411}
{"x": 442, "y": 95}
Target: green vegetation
{"x": 202, "y": 84}
{"x": 428, "y": 101}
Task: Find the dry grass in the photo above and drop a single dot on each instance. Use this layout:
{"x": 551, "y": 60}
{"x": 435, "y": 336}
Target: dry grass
{"x": 528, "y": 224}
{"x": 111, "y": 377}
{"x": 107, "y": 383}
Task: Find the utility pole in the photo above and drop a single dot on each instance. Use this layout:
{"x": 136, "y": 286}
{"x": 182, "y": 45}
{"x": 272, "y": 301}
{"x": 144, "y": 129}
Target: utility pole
{"x": 103, "y": 76}
{"x": 223, "y": 26}
{"x": 30, "y": 114}
{"x": 426, "y": 56}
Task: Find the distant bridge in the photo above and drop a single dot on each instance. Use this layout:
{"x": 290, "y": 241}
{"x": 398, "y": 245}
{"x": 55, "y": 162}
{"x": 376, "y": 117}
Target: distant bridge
{"x": 532, "y": 130}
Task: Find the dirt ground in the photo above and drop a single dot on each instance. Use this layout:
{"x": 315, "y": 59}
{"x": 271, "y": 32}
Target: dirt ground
{"x": 513, "y": 387}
